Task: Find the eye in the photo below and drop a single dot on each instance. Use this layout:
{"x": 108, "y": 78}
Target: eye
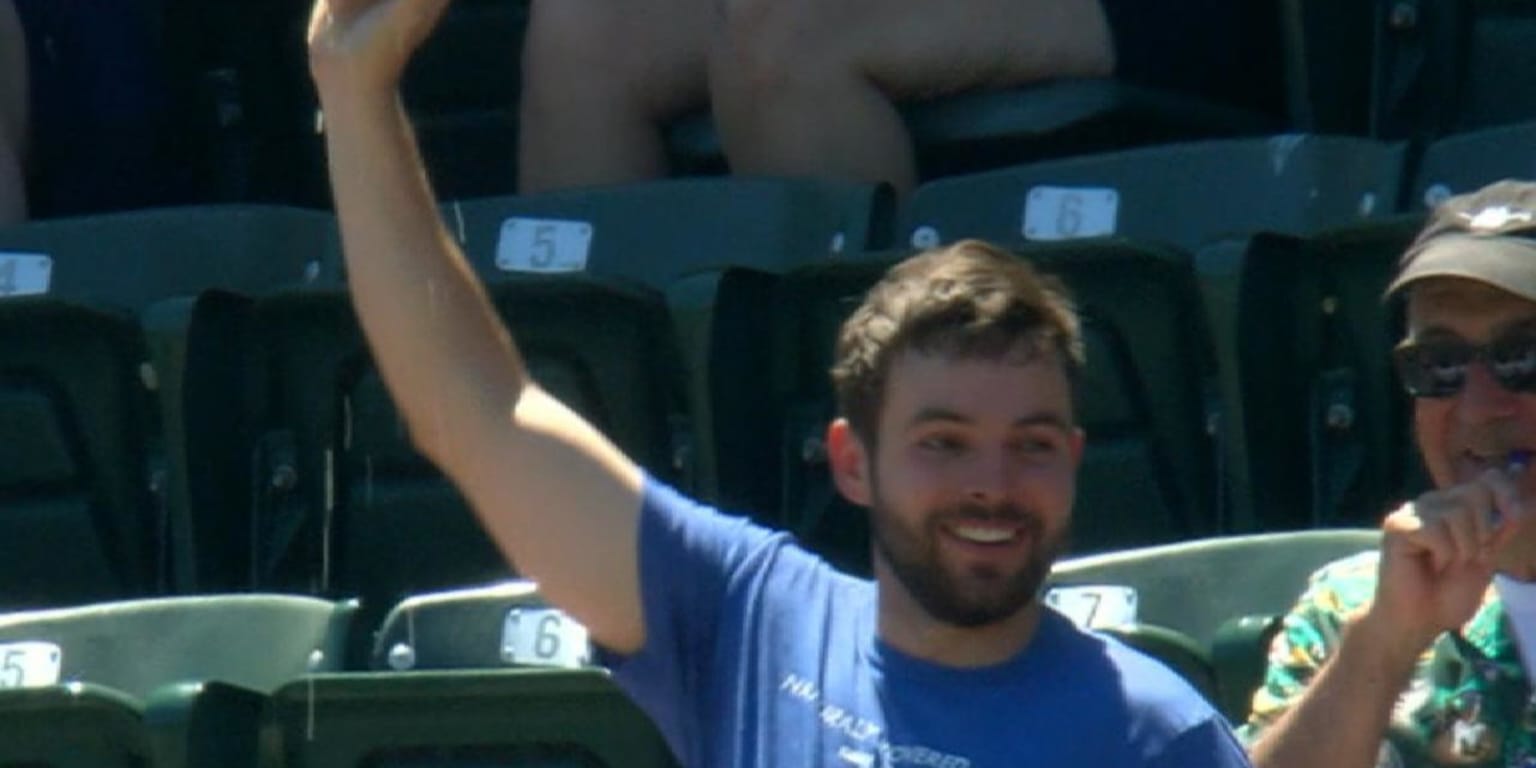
{"x": 1042, "y": 443}
{"x": 1516, "y": 359}
{"x": 940, "y": 444}
{"x": 1442, "y": 364}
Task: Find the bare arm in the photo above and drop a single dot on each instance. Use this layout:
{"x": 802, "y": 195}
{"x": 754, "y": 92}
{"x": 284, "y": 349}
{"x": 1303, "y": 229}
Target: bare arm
{"x": 1342, "y": 719}
{"x": 554, "y": 494}
{"x": 1437, "y": 559}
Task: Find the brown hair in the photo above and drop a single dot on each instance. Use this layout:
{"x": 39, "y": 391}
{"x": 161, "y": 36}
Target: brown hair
{"x": 968, "y": 300}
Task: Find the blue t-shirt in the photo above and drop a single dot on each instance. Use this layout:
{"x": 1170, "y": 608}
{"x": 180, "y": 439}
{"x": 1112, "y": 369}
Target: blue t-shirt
{"x": 759, "y": 654}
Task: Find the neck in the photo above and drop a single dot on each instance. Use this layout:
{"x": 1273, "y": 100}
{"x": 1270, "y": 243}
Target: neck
{"x": 904, "y": 625}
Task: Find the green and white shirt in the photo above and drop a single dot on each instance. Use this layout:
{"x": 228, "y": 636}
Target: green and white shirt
{"x": 1468, "y": 704}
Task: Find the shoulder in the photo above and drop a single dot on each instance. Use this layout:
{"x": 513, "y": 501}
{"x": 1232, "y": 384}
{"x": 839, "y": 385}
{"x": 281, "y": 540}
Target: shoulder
{"x": 676, "y": 528}
{"x": 1149, "y": 693}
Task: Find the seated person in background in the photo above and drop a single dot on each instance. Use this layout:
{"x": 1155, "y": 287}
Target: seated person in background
{"x": 954, "y": 379}
{"x": 809, "y": 88}
{"x": 13, "y": 116}
{"x": 1421, "y": 653}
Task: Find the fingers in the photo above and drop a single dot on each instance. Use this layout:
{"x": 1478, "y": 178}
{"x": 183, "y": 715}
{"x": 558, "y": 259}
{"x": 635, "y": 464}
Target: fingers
{"x": 1507, "y": 506}
{"x": 1452, "y": 527}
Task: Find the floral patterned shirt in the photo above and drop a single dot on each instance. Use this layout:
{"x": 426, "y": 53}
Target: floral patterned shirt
{"x": 1468, "y": 703}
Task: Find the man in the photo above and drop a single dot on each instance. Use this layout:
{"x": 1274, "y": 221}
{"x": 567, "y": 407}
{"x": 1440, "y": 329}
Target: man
{"x": 959, "y": 435}
{"x": 1421, "y": 654}
{"x": 808, "y": 87}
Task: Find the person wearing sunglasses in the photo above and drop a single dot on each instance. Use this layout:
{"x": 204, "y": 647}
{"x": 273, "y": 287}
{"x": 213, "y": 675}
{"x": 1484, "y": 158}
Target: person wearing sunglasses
{"x": 1421, "y": 653}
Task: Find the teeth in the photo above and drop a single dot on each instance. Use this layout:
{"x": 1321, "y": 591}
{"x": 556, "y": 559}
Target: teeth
{"x": 984, "y": 535}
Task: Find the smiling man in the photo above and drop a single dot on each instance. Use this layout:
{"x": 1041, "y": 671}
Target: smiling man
{"x": 955, "y": 381}
{"x": 1421, "y": 653}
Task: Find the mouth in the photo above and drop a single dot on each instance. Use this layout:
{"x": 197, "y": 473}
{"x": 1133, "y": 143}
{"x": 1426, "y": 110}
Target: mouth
{"x": 1514, "y": 462}
{"x": 976, "y": 533}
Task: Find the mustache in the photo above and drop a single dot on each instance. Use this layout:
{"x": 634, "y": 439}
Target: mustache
{"x": 1002, "y": 512}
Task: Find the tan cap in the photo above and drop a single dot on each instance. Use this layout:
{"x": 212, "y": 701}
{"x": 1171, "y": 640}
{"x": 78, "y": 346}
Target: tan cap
{"x": 1488, "y": 235}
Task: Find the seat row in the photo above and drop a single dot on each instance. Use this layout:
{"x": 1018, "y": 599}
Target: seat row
{"x": 493, "y": 675}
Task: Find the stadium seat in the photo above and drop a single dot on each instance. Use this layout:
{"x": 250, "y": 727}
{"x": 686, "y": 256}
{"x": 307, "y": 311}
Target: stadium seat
{"x": 1192, "y": 587}
{"x": 1240, "y": 656}
{"x": 461, "y": 719}
{"x": 477, "y": 627}
{"x": 82, "y": 520}
{"x": 1314, "y": 423}
{"x": 655, "y": 232}
{"x": 336, "y": 500}
{"x": 979, "y": 130}
{"x": 132, "y": 260}
{"x": 1463, "y": 162}
{"x": 168, "y": 683}
{"x": 139, "y": 646}
{"x": 1148, "y": 474}
{"x": 73, "y": 726}
{"x": 1181, "y": 194}
{"x": 1451, "y": 67}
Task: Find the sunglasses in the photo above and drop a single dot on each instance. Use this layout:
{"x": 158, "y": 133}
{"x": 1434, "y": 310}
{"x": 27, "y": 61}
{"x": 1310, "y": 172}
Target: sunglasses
{"x": 1437, "y": 368}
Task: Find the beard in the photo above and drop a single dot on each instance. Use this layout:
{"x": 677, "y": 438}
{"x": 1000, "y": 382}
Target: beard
{"x": 978, "y": 595}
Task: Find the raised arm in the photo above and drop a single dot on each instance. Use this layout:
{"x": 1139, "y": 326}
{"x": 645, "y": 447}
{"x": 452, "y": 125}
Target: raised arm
{"x": 1438, "y": 555}
{"x": 556, "y": 496}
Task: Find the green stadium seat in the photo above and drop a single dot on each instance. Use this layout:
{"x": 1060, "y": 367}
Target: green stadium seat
{"x": 132, "y": 260}
{"x": 82, "y": 522}
{"x": 170, "y": 682}
{"x": 1192, "y": 587}
{"x": 1181, "y": 194}
{"x": 978, "y": 130}
{"x": 1443, "y": 68}
{"x": 1148, "y": 474}
{"x": 256, "y": 641}
{"x": 461, "y": 719}
{"x": 1314, "y": 428}
{"x": 478, "y": 627}
{"x": 71, "y": 726}
{"x": 335, "y": 499}
{"x": 1464, "y": 162}
{"x": 1240, "y": 656}
{"x": 637, "y": 231}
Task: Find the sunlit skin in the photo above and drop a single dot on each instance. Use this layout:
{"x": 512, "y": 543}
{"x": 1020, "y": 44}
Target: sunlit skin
{"x": 971, "y": 489}
{"x": 1464, "y": 436}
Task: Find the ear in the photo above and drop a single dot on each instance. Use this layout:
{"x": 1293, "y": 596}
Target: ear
{"x": 848, "y": 461}
{"x": 1079, "y": 442}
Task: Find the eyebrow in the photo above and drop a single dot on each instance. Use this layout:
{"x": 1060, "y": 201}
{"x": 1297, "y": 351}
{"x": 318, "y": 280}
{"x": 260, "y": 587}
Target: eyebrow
{"x": 1524, "y": 324}
{"x": 933, "y": 414}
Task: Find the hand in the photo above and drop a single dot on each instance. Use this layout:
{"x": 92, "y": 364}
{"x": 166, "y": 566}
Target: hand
{"x": 1438, "y": 554}
{"x": 363, "y": 45}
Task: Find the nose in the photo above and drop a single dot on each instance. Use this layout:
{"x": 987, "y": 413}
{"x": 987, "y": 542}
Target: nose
{"x": 990, "y": 477}
{"x": 1483, "y": 398}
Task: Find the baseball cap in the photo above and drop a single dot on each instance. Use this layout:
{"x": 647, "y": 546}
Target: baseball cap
{"x": 1488, "y": 235}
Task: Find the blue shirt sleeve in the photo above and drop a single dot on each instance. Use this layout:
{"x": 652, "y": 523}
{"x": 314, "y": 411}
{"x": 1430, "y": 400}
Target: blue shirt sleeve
{"x": 689, "y": 556}
{"x": 1210, "y": 743}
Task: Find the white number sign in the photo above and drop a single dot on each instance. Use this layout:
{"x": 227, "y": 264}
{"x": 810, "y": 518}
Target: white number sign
{"x": 1094, "y": 607}
{"x": 25, "y": 274}
{"x": 544, "y": 637}
{"x": 1067, "y": 213}
{"x": 543, "y": 245}
{"x": 29, "y": 665}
